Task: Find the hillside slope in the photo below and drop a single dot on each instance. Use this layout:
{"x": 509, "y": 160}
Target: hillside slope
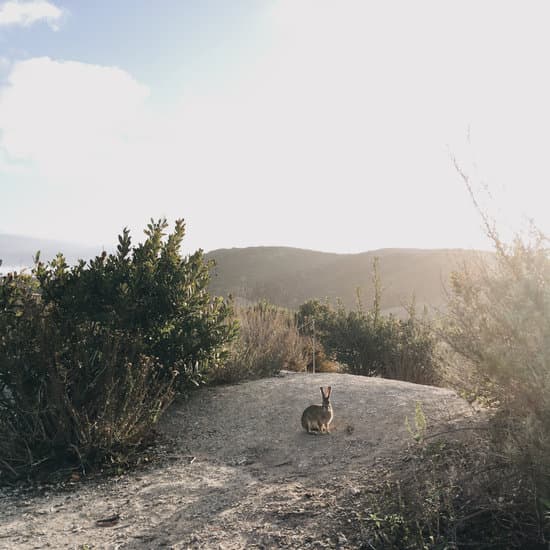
{"x": 290, "y": 276}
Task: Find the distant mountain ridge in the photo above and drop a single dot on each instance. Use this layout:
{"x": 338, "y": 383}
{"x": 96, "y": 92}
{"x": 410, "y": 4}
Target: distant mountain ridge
{"x": 290, "y": 276}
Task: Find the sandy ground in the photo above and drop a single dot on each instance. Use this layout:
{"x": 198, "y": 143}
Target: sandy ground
{"x": 242, "y": 473}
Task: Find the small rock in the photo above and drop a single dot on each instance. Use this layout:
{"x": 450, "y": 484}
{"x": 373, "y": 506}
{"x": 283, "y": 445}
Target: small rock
{"x": 342, "y": 540}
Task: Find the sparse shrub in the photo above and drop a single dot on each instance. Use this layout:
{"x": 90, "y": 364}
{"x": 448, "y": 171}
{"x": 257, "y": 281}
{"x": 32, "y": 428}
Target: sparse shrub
{"x": 268, "y": 342}
{"x": 90, "y": 355}
{"x": 498, "y": 319}
{"x": 451, "y": 494}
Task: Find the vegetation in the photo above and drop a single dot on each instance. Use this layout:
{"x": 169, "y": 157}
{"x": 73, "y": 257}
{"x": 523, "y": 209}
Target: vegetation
{"x": 371, "y": 344}
{"x": 268, "y": 341}
{"x": 498, "y": 319}
{"x": 91, "y": 355}
{"x": 452, "y": 494}
{"x": 493, "y": 489}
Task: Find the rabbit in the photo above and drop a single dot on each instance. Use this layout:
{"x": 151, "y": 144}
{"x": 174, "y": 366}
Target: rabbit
{"x": 318, "y": 417}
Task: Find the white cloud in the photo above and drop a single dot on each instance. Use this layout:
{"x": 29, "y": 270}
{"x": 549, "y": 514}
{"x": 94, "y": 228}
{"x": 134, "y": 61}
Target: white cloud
{"x": 64, "y": 114}
{"x": 86, "y": 138}
{"x": 26, "y": 13}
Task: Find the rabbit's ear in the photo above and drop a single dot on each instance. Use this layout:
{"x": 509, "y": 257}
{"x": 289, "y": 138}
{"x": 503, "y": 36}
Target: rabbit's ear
{"x": 329, "y": 389}
{"x": 322, "y": 391}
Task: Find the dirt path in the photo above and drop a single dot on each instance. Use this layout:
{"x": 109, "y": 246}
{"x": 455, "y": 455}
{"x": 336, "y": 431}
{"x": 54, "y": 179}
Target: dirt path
{"x": 243, "y": 474}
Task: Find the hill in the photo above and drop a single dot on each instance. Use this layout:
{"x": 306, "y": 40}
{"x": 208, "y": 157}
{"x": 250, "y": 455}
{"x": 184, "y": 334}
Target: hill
{"x": 290, "y": 276}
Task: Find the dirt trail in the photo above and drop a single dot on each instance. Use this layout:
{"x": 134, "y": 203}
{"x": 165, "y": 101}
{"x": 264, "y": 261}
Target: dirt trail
{"x": 243, "y": 474}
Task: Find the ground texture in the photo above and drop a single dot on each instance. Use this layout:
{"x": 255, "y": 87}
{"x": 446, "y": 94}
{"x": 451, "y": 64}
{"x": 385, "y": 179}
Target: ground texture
{"x": 242, "y": 473}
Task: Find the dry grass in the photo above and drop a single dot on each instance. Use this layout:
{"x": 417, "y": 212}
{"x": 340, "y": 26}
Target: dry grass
{"x": 268, "y": 342}
{"x": 454, "y": 491}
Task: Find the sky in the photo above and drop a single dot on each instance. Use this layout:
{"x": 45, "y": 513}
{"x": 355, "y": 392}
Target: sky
{"x": 328, "y": 125}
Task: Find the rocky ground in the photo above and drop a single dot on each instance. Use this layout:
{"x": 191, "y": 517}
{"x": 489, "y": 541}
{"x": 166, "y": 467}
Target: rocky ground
{"x": 241, "y": 472}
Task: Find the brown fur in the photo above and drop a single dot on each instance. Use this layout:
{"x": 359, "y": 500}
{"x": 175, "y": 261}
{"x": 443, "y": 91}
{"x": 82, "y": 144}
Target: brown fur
{"x": 318, "y": 417}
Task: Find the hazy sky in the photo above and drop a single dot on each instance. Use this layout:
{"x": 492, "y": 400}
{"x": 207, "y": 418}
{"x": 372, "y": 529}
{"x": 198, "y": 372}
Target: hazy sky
{"x": 311, "y": 123}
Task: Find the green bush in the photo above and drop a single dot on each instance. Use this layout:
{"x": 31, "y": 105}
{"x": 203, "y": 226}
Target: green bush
{"x": 149, "y": 291}
{"x": 268, "y": 342}
{"x": 91, "y": 355}
{"x": 371, "y": 344}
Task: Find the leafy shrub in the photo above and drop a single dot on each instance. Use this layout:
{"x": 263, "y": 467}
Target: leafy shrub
{"x": 91, "y": 355}
{"x": 371, "y": 344}
{"x": 149, "y": 291}
{"x": 268, "y": 342}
